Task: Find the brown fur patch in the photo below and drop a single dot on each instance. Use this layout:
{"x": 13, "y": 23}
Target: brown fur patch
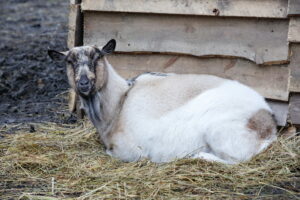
{"x": 263, "y": 123}
{"x": 72, "y": 100}
{"x": 101, "y": 76}
{"x": 71, "y": 76}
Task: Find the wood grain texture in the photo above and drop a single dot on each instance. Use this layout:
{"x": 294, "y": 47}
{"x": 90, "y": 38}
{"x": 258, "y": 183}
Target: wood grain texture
{"x": 270, "y": 81}
{"x": 75, "y": 34}
{"x": 236, "y": 8}
{"x": 260, "y": 40}
{"x": 295, "y": 68}
{"x": 294, "y": 108}
{"x": 294, "y": 29}
{"x": 75, "y": 38}
{"x": 281, "y": 110}
{"x": 293, "y": 7}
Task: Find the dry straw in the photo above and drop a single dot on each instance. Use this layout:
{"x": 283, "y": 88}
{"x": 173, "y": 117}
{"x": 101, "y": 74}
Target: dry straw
{"x": 68, "y": 162}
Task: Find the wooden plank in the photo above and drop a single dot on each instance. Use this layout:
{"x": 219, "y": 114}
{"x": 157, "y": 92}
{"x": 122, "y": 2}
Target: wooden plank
{"x": 270, "y": 81}
{"x": 75, "y": 34}
{"x": 294, "y": 108}
{"x": 263, "y": 41}
{"x": 294, "y": 8}
{"x": 295, "y": 68}
{"x": 294, "y": 29}
{"x": 236, "y": 8}
{"x": 281, "y": 110}
{"x": 72, "y": 25}
{"x": 75, "y": 38}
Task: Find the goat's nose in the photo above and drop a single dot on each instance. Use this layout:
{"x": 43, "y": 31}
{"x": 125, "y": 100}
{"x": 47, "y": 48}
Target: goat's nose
{"x": 83, "y": 80}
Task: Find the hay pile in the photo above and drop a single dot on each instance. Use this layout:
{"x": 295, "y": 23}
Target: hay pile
{"x": 67, "y": 162}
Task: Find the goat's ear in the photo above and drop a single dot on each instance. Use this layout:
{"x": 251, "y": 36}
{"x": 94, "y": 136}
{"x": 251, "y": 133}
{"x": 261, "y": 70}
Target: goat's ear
{"x": 57, "y": 56}
{"x": 109, "y": 47}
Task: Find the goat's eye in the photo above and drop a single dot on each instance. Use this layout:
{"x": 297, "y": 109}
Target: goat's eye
{"x": 69, "y": 62}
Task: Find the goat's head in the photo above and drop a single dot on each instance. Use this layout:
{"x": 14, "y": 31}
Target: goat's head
{"x": 85, "y": 72}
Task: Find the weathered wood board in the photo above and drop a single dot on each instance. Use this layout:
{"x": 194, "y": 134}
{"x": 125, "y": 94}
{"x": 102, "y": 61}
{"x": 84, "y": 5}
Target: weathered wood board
{"x": 294, "y": 108}
{"x": 259, "y": 40}
{"x": 270, "y": 81}
{"x": 75, "y": 38}
{"x": 281, "y": 110}
{"x": 294, "y": 7}
{"x": 295, "y": 68}
{"x": 236, "y": 8}
{"x": 294, "y": 29}
{"x": 75, "y": 34}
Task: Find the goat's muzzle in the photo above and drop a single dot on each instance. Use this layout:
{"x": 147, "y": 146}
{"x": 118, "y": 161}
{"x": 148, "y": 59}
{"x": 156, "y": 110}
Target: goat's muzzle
{"x": 84, "y": 85}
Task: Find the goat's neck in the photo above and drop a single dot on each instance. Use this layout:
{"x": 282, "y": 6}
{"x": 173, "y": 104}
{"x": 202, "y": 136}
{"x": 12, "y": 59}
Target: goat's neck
{"x": 104, "y": 106}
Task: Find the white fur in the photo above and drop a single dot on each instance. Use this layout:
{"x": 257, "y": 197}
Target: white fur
{"x": 164, "y": 118}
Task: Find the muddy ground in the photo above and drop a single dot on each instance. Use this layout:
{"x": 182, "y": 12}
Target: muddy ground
{"x": 31, "y": 85}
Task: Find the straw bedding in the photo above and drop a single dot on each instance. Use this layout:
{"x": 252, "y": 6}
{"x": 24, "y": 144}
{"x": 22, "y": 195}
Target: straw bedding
{"x": 67, "y": 162}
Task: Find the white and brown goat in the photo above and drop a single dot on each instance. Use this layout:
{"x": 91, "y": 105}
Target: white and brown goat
{"x": 163, "y": 117}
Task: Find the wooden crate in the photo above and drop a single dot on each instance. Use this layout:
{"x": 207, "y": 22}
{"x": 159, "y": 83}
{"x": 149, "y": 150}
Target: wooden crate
{"x": 254, "y": 42}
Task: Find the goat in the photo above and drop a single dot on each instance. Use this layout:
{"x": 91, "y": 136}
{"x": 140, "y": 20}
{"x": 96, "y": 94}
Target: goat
{"x": 163, "y": 117}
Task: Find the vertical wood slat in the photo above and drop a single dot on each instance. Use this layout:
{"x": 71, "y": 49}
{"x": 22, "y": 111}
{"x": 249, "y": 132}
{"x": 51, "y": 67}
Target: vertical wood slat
{"x": 75, "y": 34}
{"x": 294, "y": 29}
{"x": 294, "y": 66}
{"x": 281, "y": 110}
{"x": 75, "y": 38}
{"x": 294, "y": 108}
{"x": 294, "y": 8}
{"x": 294, "y": 39}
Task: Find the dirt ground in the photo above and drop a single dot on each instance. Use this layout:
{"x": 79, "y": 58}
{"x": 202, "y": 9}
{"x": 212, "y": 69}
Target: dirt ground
{"x": 31, "y": 85}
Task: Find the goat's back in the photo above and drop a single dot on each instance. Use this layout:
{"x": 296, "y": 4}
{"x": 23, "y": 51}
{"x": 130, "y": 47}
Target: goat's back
{"x": 166, "y": 93}
{"x": 163, "y": 94}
